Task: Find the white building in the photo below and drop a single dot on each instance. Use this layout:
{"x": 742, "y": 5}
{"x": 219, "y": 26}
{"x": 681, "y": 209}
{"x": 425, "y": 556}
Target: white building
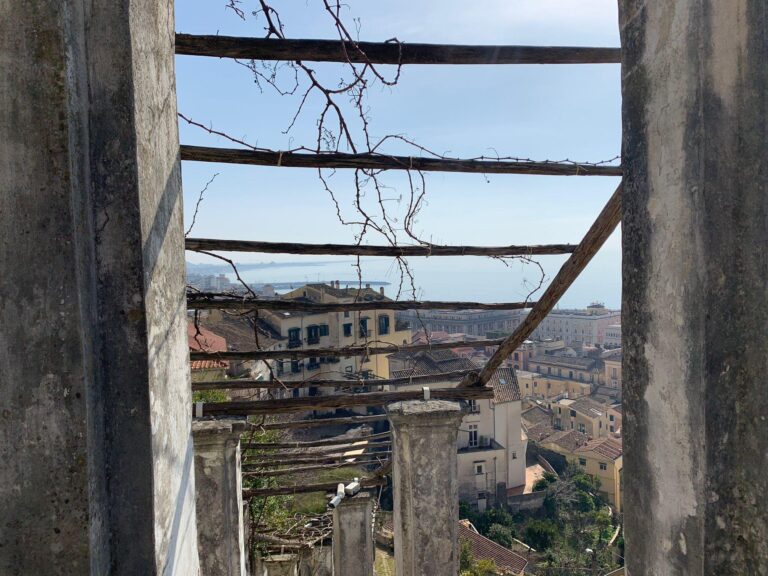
{"x": 585, "y": 327}
{"x": 491, "y": 443}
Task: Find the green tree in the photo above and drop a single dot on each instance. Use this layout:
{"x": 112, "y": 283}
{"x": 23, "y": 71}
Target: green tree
{"x": 501, "y": 535}
{"x": 540, "y": 534}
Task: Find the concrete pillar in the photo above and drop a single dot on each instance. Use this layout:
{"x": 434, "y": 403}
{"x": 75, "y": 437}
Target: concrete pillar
{"x": 97, "y": 474}
{"x": 695, "y": 304}
{"x": 353, "y": 547}
{"x": 219, "y": 494}
{"x": 426, "y": 486}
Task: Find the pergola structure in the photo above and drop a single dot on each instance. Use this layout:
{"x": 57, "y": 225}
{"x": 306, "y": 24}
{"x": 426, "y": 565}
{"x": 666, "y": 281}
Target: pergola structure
{"x": 96, "y": 439}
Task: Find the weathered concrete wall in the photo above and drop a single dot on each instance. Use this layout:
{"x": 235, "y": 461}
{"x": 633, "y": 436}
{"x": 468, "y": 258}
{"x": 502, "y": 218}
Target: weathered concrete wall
{"x": 353, "y": 547}
{"x": 95, "y": 437}
{"x": 426, "y": 487}
{"x": 219, "y": 496}
{"x": 695, "y": 309}
{"x": 317, "y": 561}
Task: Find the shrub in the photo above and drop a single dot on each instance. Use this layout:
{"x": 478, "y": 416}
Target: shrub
{"x": 501, "y": 535}
{"x": 540, "y": 534}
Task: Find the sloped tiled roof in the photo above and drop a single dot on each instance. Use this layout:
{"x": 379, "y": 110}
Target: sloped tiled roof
{"x": 540, "y": 431}
{"x": 507, "y": 561}
{"x": 203, "y": 340}
{"x": 589, "y": 407}
{"x": 568, "y": 440}
{"x": 208, "y": 364}
{"x": 536, "y": 414}
{"x": 505, "y": 388}
{"x": 610, "y": 448}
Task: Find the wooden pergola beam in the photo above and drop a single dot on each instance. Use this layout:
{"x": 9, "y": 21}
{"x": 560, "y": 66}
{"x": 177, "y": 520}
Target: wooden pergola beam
{"x": 593, "y": 240}
{"x": 208, "y": 301}
{"x": 340, "y": 160}
{"x": 388, "y": 52}
{"x": 348, "y": 351}
{"x": 287, "y": 405}
{"x": 308, "y": 488}
{"x": 217, "y": 245}
{"x": 345, "y": 352}
{"x": 320, "y": 422}
{"x": 323, "y": 382}
{"x": 311, "y": 443}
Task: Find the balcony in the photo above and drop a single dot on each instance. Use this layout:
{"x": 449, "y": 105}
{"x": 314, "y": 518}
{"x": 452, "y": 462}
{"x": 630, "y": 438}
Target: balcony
{"x": 294, "y": 343}
{"x": 313, "y": 365}
{"x": 313, "y": 339}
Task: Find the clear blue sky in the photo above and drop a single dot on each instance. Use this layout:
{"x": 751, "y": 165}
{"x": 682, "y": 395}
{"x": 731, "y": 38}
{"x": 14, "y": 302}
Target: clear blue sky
{"x": 541, "y": 112}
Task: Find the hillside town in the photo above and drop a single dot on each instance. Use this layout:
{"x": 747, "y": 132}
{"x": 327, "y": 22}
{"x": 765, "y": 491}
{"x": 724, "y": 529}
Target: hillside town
{"x": 555, "y": 412}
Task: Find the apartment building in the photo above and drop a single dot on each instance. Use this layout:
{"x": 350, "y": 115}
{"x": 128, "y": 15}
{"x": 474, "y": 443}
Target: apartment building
{"x": 578, "y": 327}
{"x": 334, "y": 330}
{"x": 535, "y": 385}
{"x": 613, "y": 336}
{"x": 603, "y": 458}
{"x": 612, "y": 369}
{"x": 595, "y": 419}
{"x": 491, "y": 442}
{"x": 576, "y": 368}
{"x": 470, "y": 322}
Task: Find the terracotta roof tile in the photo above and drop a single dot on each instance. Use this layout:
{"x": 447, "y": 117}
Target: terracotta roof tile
{"x": 482, "y": 548}
{"x": 203, "y": 340}
{"x": 609, "y": 447}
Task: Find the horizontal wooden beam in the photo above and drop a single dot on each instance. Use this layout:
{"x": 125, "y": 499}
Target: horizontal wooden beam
{"x": 207, "y": 301}
{"x": 311, "y": 443}
{"x": 328, "y": 451}
{"x": 320, "y": 422}
{"x": 306, "y": 468}
{"x": 215, "y": 245}
{"x": 286, "y": 405}
{"x": 593, "y": 240}
{"x": 337, "y": 160}
{"x": 388, "y": 52}
{"x": 248, "y": 466}
{"x": 307, "y": 488}
{"x": 323, "y": 383}
{"x": 344, "y": 352}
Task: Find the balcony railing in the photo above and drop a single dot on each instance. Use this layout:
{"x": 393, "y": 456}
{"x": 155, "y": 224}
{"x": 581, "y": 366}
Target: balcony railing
{"x": 313, "y": 339}
{"x": 294, "y": 343}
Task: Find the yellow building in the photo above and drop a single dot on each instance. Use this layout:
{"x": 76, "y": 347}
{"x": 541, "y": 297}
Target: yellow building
{"x": 595, "y": 419}
{"x": 602, "y": 458}
{"x": 580, "y": 369}
{"x": 533, "y": 384}
{"x": 612, "y": 370}
{"x": 335, "y": 330}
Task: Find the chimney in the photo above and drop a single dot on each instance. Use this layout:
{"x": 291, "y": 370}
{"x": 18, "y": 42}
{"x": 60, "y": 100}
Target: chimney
{"x": 381, "y": 290}
{"x": 367, "y": 286}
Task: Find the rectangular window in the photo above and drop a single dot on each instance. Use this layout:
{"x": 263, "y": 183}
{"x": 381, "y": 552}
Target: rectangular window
{"x": 582, "y": 461}
{"x": 363, "y": 327}
{"x": 613, "y": 373}
{"x": 383, "y": 325}
{"x": 611, "y": 429}
{"x": 313, "y": 334}
{"x": 611, "y": 418}
{"x": 294, "y": 337}
{"x": 347, "y": 330}
{"x": 603, "y": 466}
{"x": 295, "y": 366}
{"x": 582, "y": 428}
{"x": 473, "y": 435}
{"x": 324, "y": 330}
{"x": 573, "y": 413}
{"x": 346, "y": 313}
{"x": 570, "y": 374}
{"x": 472, "y": 404}
{"x": 514, "y": 455}
{"x": 479, "y": 468}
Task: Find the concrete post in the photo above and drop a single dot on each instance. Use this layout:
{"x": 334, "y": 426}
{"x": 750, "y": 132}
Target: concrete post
{"x": 219, "y": 494}
{"x": 353, "y": 547}
{"x": 426, "y": 486}
{"x": 695, "y": 304}
{"x": 97, "y": 474}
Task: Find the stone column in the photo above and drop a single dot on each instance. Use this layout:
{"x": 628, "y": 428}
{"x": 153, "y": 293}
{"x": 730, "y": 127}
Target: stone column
{"x": 97, "y": 474}
{"x": 426, "y": 486}
{"x": 695, "y": 304}
{"x": 219, "y": 495}
{"x": 353, "y": 547}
